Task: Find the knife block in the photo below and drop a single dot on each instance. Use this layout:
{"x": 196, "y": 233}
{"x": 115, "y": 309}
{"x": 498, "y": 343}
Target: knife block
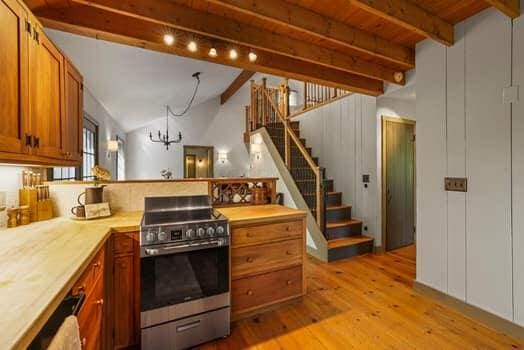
{"x": 28, "y": 196}
{"x": 44, "y": 209}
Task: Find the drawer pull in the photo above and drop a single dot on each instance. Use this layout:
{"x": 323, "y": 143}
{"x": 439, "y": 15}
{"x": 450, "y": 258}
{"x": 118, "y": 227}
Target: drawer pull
{"x": 99, "y": 302}
{"x": 249, "y": 292}
{"x": 289, "y": 252}
{"x": 289, "y": 282}
{"x": 249, "y": 234}
{"x": 288, "y": 229}
{"x": 81, "y": 288}
{"x": 250, "y": 259}
{"x": 84, "y": 341}
{"x": 97, "y": 264}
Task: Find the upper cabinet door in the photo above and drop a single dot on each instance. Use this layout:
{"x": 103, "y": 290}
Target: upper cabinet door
{"x": 46, "y": 105}
{"x": 13, "y": 73}
{"x": 72, "y": 127}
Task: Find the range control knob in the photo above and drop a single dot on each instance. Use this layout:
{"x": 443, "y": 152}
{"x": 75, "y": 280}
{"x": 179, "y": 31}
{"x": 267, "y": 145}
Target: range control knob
{"x": 201, "y": 232}
{"x": 150, "y": 236}
{"x": 190, "y": 233}
{"x": 211, "y": 232}
{"x": 220, "y": 230}
{"x": 162, "y": 236}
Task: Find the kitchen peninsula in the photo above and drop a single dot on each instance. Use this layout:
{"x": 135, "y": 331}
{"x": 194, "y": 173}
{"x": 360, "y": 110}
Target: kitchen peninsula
{"x": 43, "y": 262}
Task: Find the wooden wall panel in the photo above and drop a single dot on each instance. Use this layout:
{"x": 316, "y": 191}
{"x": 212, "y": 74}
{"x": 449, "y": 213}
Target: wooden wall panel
{"x": 518, "y": 171}
{"x": 431, "y": 165}
{"x": 488, "y": 163}
{"x": 456, "y": 166}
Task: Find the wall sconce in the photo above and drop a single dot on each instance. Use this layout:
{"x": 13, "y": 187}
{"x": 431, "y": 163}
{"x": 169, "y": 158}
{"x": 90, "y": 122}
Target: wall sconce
{"x": 112, "y": 147}
{"x": 256, "y": 149}
{"x": 200, "y": 162}
{"x": 222, "y": 157}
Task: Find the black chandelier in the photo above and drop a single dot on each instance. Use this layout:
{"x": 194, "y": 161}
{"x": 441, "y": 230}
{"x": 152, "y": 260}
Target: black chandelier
{"x": 164, "y": 138}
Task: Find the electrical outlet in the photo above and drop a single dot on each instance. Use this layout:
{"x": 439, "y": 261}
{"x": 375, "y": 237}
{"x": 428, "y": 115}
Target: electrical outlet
{"x": 456, "y": 184}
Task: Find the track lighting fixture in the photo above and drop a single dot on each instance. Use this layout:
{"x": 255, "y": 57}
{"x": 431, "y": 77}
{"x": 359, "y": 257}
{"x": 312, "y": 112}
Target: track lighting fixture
{"x": 192, "y": 46}
{"x": 233, "y": 54}
{"x": 213, "y": 52}
{"x": 169, "y": 39}
{"x": 252, "y": 56}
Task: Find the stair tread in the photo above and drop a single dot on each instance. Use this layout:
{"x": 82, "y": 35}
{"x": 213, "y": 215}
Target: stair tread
{"x": 337, "y": 207}
{"x": 332, "y": 193}
{"x": 348, "y": 241}
{"x": 342, "y": 223}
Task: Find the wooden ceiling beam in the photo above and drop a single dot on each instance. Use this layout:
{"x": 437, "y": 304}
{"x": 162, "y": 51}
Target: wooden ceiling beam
{"x": 510, "y": 8}
{"x": 242, "y": 78}
{"x": 314, "y": 24}
{"x": 409, "y": 15}
{"x": 202, "y": 23}
{"x": 96, "y": 23}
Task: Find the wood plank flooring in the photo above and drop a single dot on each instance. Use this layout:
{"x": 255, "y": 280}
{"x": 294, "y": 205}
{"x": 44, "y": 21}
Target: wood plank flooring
{"x": 366, "y": 302}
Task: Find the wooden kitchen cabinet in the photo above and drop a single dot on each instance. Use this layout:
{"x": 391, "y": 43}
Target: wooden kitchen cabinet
{"x": 40, "y": 94}
{"x": 124, "y": 292}
{"x": 13, "y": 73}
{"x": 92, "y": 313}
{"x": 46, "y": 96}
{"x": 73, "y": 123}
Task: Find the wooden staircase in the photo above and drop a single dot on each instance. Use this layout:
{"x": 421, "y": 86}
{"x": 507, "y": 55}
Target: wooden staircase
{"x": 270, "y": 109}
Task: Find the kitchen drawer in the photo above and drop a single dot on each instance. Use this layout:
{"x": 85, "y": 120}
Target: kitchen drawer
{"x": 248, "y": 235}
{"x": 123, "y": 243}
{"x": 94, "y": 270}
{"x": 270, "y": 256}
{"x": 261, "y": 290}
{"x": 90, "y": 318}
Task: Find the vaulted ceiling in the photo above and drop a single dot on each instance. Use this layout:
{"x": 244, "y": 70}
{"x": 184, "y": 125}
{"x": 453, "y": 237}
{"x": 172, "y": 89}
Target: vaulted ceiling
{"x": 354, "y": 44}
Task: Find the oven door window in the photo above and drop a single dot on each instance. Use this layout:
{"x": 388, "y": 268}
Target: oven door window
{"x": 177, "y": 278}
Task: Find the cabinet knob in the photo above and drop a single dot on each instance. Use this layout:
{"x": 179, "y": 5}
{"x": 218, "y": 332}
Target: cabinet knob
{"x": 249, "y": 234}
{"x": 288, "y": 229}
{"x": 249, "y": 259}
{"x": 97, "y": 264}
{"x": 289, "y": 252}
{"x": 289, "y": 282}
{"x": 84, "y": 341}
{"x": 81, "y": 288}
{"x": 249, "y": 292}
{"x": 99, "y": 302}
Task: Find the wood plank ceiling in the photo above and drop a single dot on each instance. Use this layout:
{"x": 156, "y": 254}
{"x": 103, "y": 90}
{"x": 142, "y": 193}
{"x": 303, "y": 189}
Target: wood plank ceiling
{"x": 353, "y": 44}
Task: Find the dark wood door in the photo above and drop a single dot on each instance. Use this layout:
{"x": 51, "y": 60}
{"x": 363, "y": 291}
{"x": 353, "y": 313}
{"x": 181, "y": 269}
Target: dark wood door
{"x": 399, "y": 196}
{"x": 72, "y": 126}
{"x": 13, "y": 76}
{"x": 46, "y": 105}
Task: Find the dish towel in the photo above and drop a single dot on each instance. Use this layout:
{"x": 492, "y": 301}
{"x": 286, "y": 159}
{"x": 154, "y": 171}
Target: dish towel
{"x": 68, "y": 336}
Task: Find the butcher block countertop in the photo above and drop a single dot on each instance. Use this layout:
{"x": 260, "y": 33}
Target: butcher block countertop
{"x": 40, "y": 262}
{"x": 260, "y": 214}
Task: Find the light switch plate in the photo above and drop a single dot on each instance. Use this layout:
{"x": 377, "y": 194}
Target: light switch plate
{"x": 456, "y": 184}
{"x": 510, "y": 94}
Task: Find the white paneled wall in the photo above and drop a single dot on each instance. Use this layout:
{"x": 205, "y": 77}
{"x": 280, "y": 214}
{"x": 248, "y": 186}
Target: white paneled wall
{"x": 431, "y": 165}
{"x": 343, "y": 135}
{"x": 518, "y": 170}
{"x": 488, "y": 163}
{"x": 467, "y": 246}
{"x": 456, "y": 166}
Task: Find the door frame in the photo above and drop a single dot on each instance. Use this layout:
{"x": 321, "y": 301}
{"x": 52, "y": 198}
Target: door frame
{"x": 210, "y": 156}
{"x": 400, "y": 120}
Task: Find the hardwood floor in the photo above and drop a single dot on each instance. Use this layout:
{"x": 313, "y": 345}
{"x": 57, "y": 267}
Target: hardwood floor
{"x": 366, "y": 302}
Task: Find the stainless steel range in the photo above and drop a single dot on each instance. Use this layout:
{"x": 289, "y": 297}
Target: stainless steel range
{"x": 184, "y": 250}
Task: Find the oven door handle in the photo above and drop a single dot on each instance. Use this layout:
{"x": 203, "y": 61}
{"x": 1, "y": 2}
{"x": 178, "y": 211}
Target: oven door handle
{"x": 173, "y": 249}
{"x": 188, "y": 326}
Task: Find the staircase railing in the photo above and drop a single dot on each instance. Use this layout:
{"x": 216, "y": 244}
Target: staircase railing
{"x": 271, "y": 106}
{"x": 316, "y": 95}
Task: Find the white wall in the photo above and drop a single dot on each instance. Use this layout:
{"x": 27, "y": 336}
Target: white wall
{"x": 207, "y": 124}
{"x": 108, "y": 129}
{"x": 343, "y": 135}
{"x": 470, "y": 245}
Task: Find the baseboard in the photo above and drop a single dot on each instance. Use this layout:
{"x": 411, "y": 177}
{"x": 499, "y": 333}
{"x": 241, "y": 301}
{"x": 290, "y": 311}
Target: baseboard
{"x": 379, "y": 250}
{"x": 493, "y": 321}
